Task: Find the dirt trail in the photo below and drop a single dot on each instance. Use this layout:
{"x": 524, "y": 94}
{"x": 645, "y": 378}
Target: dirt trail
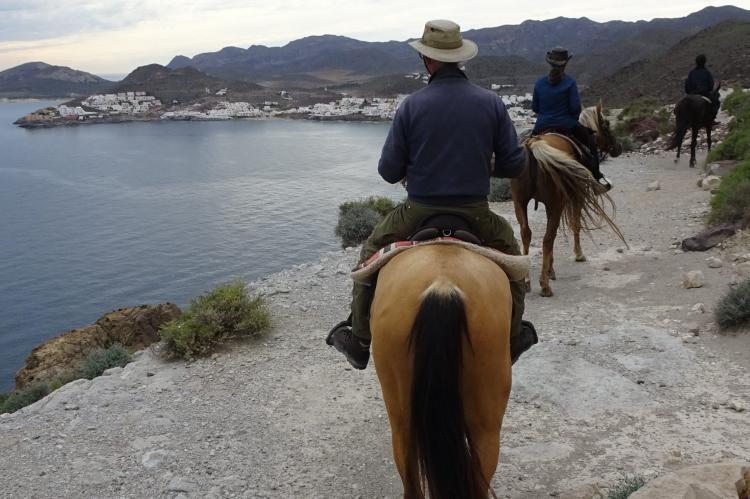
{"x": 618, "y": 385}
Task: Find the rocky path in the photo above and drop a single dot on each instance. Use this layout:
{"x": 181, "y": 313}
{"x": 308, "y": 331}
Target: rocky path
{"x": 631, "y": 377}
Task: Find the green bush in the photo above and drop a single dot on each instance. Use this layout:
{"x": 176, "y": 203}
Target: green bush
{"x": 28, "y": 396}
{"x": 733, "y": 309}
{"x": 358, "y": 218}
{"x": 731, "y": 204}
{"x": 626, "y": 486}
{"x": 499, "y": 190}
{"x": 3, "y": 398}
{"x": 736, "y": 145}
{"x": 102, "y": 359}
{"x": 225, "y": 312}
{"x": 64, "y": 379}
{"x": 642, "y": 120}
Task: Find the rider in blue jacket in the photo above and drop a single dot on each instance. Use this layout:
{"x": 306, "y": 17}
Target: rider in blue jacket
{"x": 557, "y": 105}
{"x": 700, "y": 81}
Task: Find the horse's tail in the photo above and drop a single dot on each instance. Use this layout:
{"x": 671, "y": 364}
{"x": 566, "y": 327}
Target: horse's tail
{"x": 576, "y": 186}
{"x": 441, "y": 456}
{"x": 681, "y": 125}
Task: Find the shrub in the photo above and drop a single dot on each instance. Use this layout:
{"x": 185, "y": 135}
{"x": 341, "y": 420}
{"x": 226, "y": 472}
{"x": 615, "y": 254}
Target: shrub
{"x": 225, "y": 312}
{"x": 3, "y": 398}
{"x": 626, "y": 486}
{"x": 731, "y": 204}
{"x": 643, "y": 120}
{"x": 734, "y": 308}
{"x": 358, "y": 218}
{"x": 28, "y": 396}
{"x": 102, "y": 359}
{"x": 64, "y": 379}
{"x": 499, "y": 190}
{"x": 736, "y": 145}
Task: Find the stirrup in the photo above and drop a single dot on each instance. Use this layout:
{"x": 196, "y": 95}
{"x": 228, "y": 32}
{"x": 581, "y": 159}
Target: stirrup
{"x": 605, "y": 183}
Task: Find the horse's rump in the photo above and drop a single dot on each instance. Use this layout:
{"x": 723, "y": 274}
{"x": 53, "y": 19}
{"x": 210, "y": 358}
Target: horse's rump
{"x": 440, "y": 324}
{"x": 574, "y": 184}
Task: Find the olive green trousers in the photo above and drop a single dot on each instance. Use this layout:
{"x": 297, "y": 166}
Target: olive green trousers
{"x": 403, "y": 221}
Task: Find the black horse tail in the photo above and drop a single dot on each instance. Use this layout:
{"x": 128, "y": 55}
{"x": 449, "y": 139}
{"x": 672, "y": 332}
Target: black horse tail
{"x": 441, "y": 456}
{"x": 682, "y": 123}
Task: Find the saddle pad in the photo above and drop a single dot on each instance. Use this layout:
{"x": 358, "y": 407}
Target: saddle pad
{"x": 573, "y": 143}
{"x": 516, "y": 267}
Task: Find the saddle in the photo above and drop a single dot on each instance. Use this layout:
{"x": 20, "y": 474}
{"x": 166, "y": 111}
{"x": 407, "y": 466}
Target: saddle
{"x": 445, "y": 225}
{"x": 582, "y": 150}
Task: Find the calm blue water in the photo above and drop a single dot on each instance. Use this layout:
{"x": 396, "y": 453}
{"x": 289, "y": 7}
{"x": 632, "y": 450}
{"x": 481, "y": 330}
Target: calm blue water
{"x": 94, "y": 218}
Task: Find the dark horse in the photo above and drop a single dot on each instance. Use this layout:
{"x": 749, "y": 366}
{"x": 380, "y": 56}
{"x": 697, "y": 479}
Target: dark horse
{"x": 694, "y": 112}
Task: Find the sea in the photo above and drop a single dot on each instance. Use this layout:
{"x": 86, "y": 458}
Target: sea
{"x": 99, "y": 217}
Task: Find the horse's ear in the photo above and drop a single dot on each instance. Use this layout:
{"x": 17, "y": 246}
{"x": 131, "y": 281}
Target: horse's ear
{"x": 718, "y": 86}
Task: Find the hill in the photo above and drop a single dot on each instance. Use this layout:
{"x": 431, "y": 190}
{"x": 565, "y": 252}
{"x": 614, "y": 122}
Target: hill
{"x": 41, "y": 80}
{"x": 339, "y": 59}
{"x": 185, "y": 84}
{"x": 727, "y": 46}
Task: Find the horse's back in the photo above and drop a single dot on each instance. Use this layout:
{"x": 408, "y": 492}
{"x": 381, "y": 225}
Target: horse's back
{"x": 485, "y": 292}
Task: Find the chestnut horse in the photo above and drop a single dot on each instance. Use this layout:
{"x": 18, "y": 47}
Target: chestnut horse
{"x": 440, "y": 324}
{"x": 693, "y": 112}
{"x": 567, "y": 189}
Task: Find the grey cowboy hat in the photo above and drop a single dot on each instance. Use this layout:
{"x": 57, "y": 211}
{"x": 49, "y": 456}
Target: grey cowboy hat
{"x": 558, "y": 57}
{"x": 442, "y": 41}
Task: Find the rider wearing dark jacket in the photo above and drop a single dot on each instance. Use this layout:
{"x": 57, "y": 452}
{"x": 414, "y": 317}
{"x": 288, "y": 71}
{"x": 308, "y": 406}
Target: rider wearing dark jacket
{"x": 442, "y": 141}
{"x": 700, "y": 81}
{"x": 557, "y": 105}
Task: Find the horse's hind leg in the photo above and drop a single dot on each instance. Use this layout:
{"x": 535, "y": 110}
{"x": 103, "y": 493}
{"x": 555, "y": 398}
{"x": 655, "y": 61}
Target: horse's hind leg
{"x": 523, "y": 220}
{"x": 553, "y": 223}
{"x": 576, "y": 228}
{"x": 693, "y": 144}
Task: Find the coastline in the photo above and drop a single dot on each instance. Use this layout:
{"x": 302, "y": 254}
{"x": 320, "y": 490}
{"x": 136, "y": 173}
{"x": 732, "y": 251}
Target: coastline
{"x": 274, "y": 416}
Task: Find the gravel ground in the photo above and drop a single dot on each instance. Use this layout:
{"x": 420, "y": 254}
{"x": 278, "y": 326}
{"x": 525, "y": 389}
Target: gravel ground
{"x": 630, "y": 377}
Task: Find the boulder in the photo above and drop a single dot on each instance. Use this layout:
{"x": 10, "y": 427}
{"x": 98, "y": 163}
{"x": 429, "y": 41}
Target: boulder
{"x": 714, "y": 263}
{"x": 710, "y": 182}
{"x": 708, "y": 238}
{"x": 134, "y": 327}
{"x": 693, "y": 279}
{"x": 710, "y": 481}
{"x": 653, "y": 186}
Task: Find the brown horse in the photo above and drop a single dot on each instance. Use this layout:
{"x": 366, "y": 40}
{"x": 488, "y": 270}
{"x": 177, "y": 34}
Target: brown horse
{"x": 693, "y": 112}
{"x": 440, "y": 341}
{"x": 567, "y": 189}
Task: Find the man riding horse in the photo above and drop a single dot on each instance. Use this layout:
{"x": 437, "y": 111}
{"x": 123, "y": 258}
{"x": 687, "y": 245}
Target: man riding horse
{"x": 442, "y": 141}
{"x": 558, "y": 105}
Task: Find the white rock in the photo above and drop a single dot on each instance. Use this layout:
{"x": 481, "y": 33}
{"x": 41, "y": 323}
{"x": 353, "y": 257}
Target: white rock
{"x": 179, "y": 484}
{"x": 653, "y": 186}
{"x": 699, "y": 308}
{"x": 153, "y": 458}
{"x": 693, "y": 328}
{"x": 714, "y": 263}
{"x": 693, "y": 279}
{"x": 710, "y": 182}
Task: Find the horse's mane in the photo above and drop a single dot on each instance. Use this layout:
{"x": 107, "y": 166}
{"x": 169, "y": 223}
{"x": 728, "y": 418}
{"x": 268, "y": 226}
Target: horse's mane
{"x": 590, "y": 118}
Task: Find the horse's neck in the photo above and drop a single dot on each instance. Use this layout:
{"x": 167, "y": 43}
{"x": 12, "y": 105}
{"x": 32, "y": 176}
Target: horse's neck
{"x": 589, "y": 119}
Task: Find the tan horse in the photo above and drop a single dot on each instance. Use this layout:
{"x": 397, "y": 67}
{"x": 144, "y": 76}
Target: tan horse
{"x": 440, "y": 324}
{"x": 567, "y": 189}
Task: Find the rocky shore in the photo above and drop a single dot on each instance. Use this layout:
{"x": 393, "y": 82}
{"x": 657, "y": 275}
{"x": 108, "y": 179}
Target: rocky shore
{"x": 631, "y": 376}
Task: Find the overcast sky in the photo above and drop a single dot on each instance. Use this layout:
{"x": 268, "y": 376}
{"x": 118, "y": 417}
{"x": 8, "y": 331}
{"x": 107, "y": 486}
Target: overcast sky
{"x": 115, "y": 36}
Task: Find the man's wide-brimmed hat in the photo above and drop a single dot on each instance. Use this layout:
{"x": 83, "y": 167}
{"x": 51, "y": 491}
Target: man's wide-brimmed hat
{"x": 558, "y": 56}
{"x": 442, "y": 41}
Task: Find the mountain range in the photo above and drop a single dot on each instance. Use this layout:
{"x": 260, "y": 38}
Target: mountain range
{"x": 600, "y": 48}
{"x": 615, "y": 60}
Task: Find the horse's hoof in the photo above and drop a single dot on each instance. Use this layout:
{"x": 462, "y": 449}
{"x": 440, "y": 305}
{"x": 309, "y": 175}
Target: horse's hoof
{"x": 580, "y": 258}
{"x": 546, "y": 292}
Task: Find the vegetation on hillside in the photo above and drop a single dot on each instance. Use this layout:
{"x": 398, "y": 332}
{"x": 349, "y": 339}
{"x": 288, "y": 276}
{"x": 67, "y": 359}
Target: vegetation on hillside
{"x": 225, "y": 312}
{"x": 643, "y": 120}
{"x": 358, "y": 218}
{"x": 731, "y": 204}
{"x": 733, "y": 310}
{"x": 92, "y": 366}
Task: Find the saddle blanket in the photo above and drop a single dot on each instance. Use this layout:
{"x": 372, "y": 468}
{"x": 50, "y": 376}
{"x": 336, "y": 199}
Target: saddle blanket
{"x": 516, "y": 267}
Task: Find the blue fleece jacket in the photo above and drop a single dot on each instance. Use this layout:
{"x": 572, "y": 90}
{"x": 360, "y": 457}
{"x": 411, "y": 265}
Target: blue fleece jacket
{"x": 442, "y": 140}
{"x": 556, "y": 106}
